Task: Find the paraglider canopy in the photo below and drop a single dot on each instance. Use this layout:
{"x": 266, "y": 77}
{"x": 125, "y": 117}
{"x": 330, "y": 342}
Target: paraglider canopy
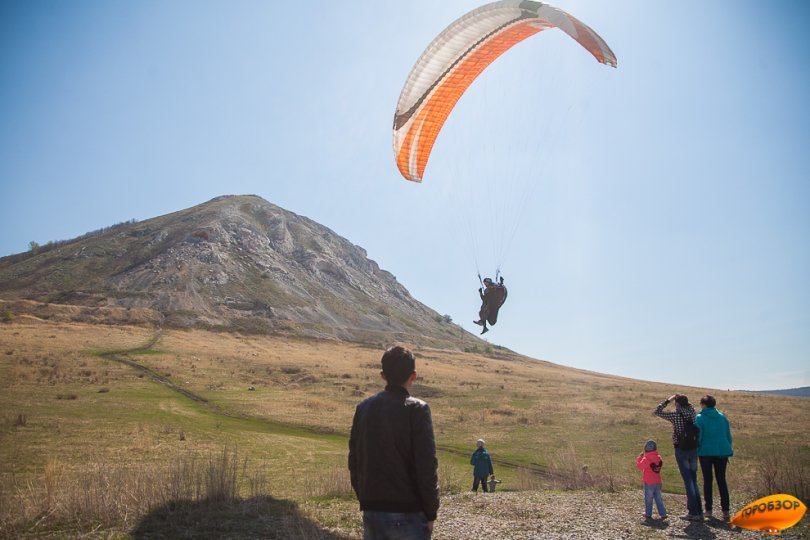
{"x": 457, "y": 56}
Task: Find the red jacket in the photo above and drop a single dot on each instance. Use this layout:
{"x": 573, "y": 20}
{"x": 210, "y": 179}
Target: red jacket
{"x": 650, "y": 464}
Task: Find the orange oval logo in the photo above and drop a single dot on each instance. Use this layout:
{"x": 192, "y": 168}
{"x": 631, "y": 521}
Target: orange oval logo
{"x": 771, "y": 514}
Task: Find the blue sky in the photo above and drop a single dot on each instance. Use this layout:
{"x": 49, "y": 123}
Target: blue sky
{"x": 651, "y": 221}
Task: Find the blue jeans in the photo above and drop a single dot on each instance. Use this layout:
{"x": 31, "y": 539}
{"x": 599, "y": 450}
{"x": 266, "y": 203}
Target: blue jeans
{"x": 653, "y": 491}
{"x": 719, "y": 464}
{"x": 687, "y": 463}
{"x": 395, "y": 526}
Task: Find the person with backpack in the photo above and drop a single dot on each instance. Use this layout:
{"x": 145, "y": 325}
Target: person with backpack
{"x": 492, "y": 298}
{"x": 685, "y": 441}
{"x": 714, "y": 449}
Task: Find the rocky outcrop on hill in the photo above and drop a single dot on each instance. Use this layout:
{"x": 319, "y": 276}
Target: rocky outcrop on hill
{"x": 235, "y": 263}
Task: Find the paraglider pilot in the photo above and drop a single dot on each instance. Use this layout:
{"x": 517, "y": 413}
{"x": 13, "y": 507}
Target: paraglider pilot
{"x": 492, "y": 298}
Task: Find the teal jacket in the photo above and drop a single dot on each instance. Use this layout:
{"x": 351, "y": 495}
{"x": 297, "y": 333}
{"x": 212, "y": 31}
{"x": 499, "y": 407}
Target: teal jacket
{"x": 715, "y": 434}
{"x": 482, "y": 462}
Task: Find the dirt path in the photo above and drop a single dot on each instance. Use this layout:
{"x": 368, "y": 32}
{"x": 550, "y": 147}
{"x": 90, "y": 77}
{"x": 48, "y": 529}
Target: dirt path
{"x": 122, "y": 357}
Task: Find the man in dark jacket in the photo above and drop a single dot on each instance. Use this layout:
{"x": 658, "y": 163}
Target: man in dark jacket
{"x": 492, "y": 298}
{"x": 392, "y": 456}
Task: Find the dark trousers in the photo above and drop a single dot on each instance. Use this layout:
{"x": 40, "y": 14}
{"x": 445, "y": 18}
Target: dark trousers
{"x": 483, "y": 480}
{"x": 707, "y": 463}
{"x": 395, "y": 526}
{"x": 488, "y": 314}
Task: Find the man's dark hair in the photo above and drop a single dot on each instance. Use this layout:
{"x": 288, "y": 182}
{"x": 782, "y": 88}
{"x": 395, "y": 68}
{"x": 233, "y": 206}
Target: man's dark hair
{"x": 708, "y": 401}
{"x": 397, "y": 365}
{"x": 682, "y": 400}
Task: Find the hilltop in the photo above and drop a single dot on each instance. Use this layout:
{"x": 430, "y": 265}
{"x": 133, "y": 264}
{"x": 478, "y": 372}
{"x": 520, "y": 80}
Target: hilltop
{"x": 232, "y": 263}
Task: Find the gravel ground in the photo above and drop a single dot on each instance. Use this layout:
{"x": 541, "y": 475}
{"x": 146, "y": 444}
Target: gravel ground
{"x": 579, "y": 515}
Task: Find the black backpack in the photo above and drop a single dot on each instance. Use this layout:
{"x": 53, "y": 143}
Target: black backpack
{"x": 689, "y": 437}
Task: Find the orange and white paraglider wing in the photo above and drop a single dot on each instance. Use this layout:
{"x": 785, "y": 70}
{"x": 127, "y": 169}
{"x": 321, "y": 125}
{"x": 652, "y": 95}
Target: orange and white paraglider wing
{"x": 457, "y": 56}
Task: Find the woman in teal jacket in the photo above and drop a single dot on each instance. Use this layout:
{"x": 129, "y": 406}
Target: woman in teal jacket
{"x": 714, "y": 449}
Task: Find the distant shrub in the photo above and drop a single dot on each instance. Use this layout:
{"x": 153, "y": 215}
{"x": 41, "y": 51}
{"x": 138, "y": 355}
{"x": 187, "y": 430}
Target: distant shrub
{"x": 781, "y": 470}
{"x": 67, "y": 396}
{"x": 8, "y": 316}
{"x": 20, "y": 421}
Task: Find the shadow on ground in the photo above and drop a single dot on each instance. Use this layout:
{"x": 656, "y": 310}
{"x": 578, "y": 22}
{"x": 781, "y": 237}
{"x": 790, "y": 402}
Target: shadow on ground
{"x": 697, "y": 531}
{"x": 259, "y": 517}
{"x": 660, "y": 524}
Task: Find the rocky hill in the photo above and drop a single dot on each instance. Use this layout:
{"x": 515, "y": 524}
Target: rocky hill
{"x": 233, "y": 263}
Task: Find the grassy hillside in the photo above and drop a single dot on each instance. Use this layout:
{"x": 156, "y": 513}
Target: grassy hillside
{"x": 85, "y": 403}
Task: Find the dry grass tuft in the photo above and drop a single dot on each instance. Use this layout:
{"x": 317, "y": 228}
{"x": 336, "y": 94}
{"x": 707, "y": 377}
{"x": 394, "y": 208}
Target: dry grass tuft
{"x": 528, "y": 480}
{"x": 211, "y": 497}
{"x": 569, "y": 472}
{"x": 335, "y": 482}
{"x": 450, "y": 479}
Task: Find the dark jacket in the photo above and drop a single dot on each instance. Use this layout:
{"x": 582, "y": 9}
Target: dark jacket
{"x": 482, "y": 462}
{"x": 392, "y": 454}
{"x": 492, "y": 298}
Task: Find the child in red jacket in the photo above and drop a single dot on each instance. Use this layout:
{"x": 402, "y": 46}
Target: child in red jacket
{"x": 650, "y": 463}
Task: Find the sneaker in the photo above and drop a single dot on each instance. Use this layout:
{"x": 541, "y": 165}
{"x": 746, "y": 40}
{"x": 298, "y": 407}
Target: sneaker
{"x": 691, "y": 517}
{"x": 664, "y": 517}
{"x": 479, "y": 323}
{"x": 726, "y": 516}
{"x": 708, "y": 515}
{"x": 485, "y": 330}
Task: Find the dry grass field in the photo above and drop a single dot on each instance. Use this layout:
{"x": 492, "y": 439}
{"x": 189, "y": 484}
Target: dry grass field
{"x": 104, "y": 428}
